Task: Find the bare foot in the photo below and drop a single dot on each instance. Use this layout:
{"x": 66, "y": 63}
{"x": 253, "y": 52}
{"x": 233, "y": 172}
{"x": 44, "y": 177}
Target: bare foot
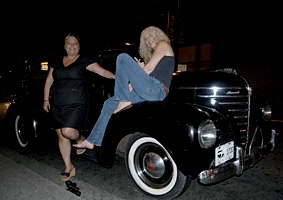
{"x": 84, "y": 145}
{"x": 121, "y": 106}
{"x": 79, "y": 150}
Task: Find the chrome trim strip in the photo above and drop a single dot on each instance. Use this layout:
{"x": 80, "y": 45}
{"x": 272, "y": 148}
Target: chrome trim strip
{"x": 238, "y": 110}
{"x": 212, "y": 88}
{"x": 240, "y": 117}
{"x": 242, "y": 124}
{"x": 223, "y": 96}
{"x": 249, "y": 113}
{"x": 272, "y": 141}
{"x": 234, "y": 103}
{"x": 34, "y": 125}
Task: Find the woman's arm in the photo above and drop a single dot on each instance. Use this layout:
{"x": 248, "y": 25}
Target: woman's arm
{"x": 49, "y": 81}
{"x": 96, "y": 68}
{"x": 163, "y": 49}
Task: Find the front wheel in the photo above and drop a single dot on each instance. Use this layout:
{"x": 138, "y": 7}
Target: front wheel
{"x": 152, "y": 169}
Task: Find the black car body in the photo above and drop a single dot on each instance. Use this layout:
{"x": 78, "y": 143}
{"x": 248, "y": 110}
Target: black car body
{"x": 209, "y": 127}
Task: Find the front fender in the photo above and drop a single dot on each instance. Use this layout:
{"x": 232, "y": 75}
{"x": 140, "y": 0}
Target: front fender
{"x": 174, "y": 126}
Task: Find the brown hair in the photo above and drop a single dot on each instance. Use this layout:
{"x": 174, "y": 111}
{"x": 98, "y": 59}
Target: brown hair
{"x": 73, "y": 35}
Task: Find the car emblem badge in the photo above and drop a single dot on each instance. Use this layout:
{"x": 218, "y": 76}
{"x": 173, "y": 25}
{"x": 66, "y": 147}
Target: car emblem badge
{"x": 150, "y": 166}
{"x": 231, "y": 92}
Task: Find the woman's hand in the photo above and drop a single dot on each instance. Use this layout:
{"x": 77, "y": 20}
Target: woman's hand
{"x": 145, "y": 68}
{"x": 46, "y": 105}
{"x": 139, "y": 62}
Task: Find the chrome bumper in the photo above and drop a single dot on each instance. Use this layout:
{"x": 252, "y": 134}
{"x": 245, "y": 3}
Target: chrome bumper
{"x": 237, "y": 167}
{"x": 221, "y": 173}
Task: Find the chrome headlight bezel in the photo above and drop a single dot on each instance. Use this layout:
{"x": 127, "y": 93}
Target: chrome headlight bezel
{"x": 207, "y": 134}
{"x": 266, "y": 112}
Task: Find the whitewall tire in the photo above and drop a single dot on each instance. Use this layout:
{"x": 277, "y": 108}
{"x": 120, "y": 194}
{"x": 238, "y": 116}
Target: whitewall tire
{"x": 152, "y": 168}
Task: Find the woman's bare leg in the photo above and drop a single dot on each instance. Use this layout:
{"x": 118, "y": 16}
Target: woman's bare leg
{"x": 65, "y": 150}
{"x": 73, "y": 134}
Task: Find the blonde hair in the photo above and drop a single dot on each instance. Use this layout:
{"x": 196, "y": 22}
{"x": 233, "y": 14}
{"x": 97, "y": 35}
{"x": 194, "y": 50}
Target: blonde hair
{"x": 158, "y": 35}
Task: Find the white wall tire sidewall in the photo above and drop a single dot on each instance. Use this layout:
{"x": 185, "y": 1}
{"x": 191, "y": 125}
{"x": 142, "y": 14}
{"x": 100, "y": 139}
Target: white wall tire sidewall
{"x": 17, "y": 132}
{"x": 137, "y": 179}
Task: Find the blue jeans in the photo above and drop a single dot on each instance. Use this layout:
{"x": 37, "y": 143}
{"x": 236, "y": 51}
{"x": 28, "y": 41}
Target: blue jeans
{"x": 145, "y": 88}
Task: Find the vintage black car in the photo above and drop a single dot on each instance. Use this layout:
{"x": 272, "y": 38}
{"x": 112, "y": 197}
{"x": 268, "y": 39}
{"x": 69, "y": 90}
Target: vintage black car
{"x": 209, "y": 127}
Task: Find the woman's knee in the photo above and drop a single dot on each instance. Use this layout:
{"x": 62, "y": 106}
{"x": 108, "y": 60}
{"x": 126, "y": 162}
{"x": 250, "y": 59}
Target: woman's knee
{"x": 69, "y": 133}
{"x": 122, "y": 58}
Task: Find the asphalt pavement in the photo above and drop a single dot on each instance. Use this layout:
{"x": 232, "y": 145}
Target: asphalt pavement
{"x": 35, "y": 174}
{"x": 23, "y": 177}
{"x": 19, "y": 182}
{"x": 28, "y": 174}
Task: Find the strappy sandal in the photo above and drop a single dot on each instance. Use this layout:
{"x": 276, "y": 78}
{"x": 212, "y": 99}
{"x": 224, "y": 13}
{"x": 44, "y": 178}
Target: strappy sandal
{"x": 68, "y": 175}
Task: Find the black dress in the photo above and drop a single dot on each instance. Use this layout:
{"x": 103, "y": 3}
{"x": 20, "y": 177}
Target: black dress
{"x": 69, "y": 100}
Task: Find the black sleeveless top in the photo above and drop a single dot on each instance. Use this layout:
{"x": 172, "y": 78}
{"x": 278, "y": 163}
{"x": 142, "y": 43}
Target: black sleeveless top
{"x": 164, "y": 70}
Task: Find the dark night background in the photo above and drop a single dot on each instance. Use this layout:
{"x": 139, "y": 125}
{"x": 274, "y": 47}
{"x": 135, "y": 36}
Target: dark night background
{"x": 241, "y": 34}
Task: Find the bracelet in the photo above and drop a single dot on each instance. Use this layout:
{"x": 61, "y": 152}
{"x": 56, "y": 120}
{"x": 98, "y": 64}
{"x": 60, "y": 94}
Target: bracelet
{"x": 46, "y": 100}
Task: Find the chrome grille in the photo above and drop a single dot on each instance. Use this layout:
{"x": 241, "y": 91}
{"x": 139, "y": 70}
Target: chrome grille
{"x": 226, "y": 134}
{"x": 232, "y": 102}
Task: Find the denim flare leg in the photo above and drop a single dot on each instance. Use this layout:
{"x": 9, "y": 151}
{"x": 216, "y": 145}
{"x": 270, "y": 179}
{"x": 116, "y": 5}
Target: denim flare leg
{"x": 146, "y": 88}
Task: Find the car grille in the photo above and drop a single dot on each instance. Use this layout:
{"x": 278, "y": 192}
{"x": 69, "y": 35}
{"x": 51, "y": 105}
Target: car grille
{"x": 226, "y": 134}
{"x": 234, "y": 102}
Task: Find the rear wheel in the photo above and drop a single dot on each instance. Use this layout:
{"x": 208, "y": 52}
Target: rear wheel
{"x": 21, "y": 132}
{"x": 152, "y": 169}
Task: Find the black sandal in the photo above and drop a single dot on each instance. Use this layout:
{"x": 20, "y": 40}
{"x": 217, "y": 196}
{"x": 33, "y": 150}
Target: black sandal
{"x": 69, "y": 175}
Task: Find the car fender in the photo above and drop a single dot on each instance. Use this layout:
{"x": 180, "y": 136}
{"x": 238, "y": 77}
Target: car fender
{"x": 174, "y": 126}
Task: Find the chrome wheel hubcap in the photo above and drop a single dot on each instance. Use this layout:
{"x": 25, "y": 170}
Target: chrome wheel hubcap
{"x": 153, "y": 165}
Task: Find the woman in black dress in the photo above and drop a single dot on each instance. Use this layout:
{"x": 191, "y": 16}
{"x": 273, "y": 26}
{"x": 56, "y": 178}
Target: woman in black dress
{"x": 66, "y": 84}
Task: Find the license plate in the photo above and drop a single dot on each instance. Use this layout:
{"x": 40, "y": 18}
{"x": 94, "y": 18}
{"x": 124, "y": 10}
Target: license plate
{"x": 224, "y": 153}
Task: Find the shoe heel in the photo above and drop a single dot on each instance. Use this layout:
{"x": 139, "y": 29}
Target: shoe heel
{"x": 73, "y": 172}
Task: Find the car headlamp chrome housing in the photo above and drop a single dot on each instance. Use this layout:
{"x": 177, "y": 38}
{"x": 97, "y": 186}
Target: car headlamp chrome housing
{"x": 266, "y": 113}
{"x": 207, "y": 134}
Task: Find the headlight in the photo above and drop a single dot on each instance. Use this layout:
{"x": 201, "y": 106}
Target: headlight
{"x": 207, "y": 133}
{"x": 266, "y": 113}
